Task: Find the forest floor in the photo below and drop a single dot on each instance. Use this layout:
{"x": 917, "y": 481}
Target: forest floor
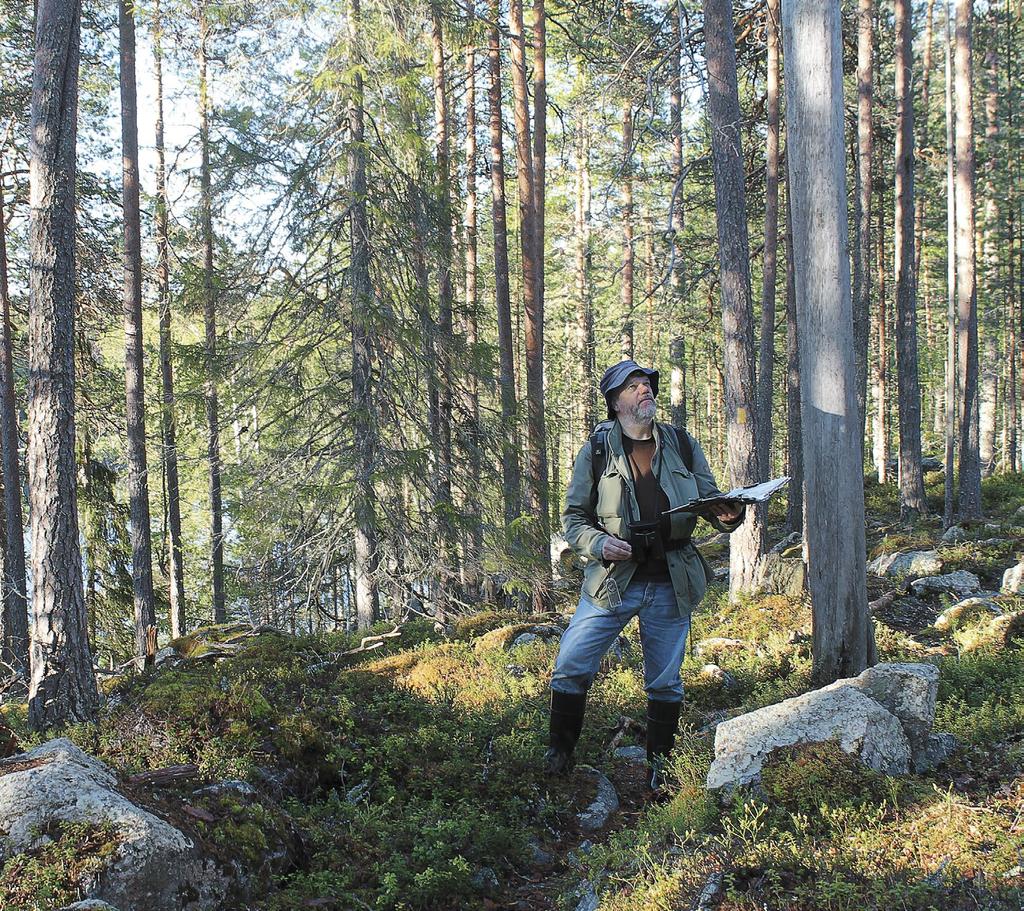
{"x": 408, "y": 777}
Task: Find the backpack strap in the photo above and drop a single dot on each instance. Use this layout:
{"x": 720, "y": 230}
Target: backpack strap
{"x": 599, "y": 447}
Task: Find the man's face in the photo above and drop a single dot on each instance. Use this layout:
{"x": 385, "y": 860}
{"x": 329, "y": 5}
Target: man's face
{"x": 636, "y": 399}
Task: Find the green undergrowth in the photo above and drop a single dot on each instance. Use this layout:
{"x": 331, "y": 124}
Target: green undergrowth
{"x": 66, "y": 860}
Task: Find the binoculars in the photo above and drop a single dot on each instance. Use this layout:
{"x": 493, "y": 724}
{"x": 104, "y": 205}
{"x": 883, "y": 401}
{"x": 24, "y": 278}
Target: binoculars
{"x": 645, "y": 539}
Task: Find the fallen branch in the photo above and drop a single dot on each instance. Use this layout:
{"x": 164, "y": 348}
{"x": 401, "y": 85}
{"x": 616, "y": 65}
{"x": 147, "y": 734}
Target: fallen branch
{"x": 369, "y": 643}
{"x": 625, "y": 724}
{"x": 166, "y": 775}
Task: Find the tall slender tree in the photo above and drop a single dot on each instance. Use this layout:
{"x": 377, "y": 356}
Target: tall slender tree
{"x": 951, "y": 222}
{"x": 911, "y": 480}
{"x": 63, "y": 687}
{"x": 628, "y": 253}
{"x": 842, "y": 635}
{"x": 969, "y": 467}
{"x": 168, "y": 417}
{"x": 865, "y": 152}
{"x": 135, "y": 401}
{"x": 210, "y": 320}
{"x": 747, "y": 543}
{"x": 14, "y": 626}
{"x": 364, "y": 549}
{"x": 502, "y": 293}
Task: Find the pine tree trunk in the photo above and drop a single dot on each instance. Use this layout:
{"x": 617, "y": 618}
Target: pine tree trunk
{"x": 210, "y": 319}
{"x": 584, "y": 302}
{"x": 471, "y": 435}
{"x": 677, "y": 345}
{"x": 969, "y": 468}
{"x": 364, "y": 550}
{"x": 503, "y": 302}
{"x": 14, "y": 629}
{"x": 865, "y": 149}
{"x": 1012, "y": 297}
{"x": 911, "y": 480}
{"x": 794, "y": 440}
{"x": 842, "y": 633}
{"x": 168, "y": 420}
{"x": 626, "y": 344}
{"x": 135, "y": 401}
{"x": 533, "y": 300}
{"x": 951, "y": 201}
{"x": 747, "y": 543}
{"x": 990, "y": 364}
{"x": 62, "y": 687}
{"x": 881, "y": 421}
{"x": 444, "y": 507}
{"x": 766, "y": 358}
{"x": 922, "y": 143}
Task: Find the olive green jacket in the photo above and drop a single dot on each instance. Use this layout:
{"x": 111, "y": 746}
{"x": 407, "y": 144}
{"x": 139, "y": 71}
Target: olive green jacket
{"x": 592, "y": 514}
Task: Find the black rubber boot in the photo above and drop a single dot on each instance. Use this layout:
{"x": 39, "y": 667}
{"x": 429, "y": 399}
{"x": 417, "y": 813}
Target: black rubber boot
{"x": 662, "y": 722}
{"x": 567, "y": 710}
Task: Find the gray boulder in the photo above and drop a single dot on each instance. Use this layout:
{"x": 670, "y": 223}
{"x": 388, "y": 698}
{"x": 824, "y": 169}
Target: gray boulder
{"x": 588, "y": 900}
{"x": 605, "y": 803}
{"x": 954, "y": 535}
{"x": 631, "y": 753}
{"x": 959, "y": 583}
{"x": 907, "y": 691}
{"x": 914, "y": 563}
{"x": 791, "y": 540}
{"x": 89, "y": 904}
{"x": 840, "y": 713}
{"x": 155, "y": 866}
{"x": 930, "y": 463}
{"x": 936, "y": 751}
{"x": 967, "y": 611}
{"x": 1013, "y": 580}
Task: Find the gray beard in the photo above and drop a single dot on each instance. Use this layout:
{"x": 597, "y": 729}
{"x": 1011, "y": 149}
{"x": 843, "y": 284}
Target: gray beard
{"x": 643, "y": 411}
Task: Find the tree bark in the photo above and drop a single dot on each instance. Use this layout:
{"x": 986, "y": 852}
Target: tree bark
{"x": 865, "y": 149}
{"x": 210, "y": 320}
{"x": 62, "y": 687}
{"x": 912, "y": 499}
{"x": 471, "y": 436}
{"x": 503, "y": 302}
{"x": 923, "y": 143}
{"x": 533, "y": 300}
{"x": 15, "y": 595}
{"x": 747, "y": 543}
{"x": 842, "y": 634}
{"x": 969, "y": 493}
{"x": 951, "y": 221}
{"x": 794, "y": 436}
{"x": 881, "y": 421}
{"x": 364, "y": 550}
{"x": 134, "y": 377}
{"x": 584, "y": 301}
{"x": 990, "y": 364}
{"x": 168, "y": 420}
{"x": 677, "y": 345}
{"x": 627, "y": 342}
{"x": 766, "y": 358}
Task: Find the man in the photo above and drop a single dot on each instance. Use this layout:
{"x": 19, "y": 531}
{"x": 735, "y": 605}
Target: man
{"x": 639, "y": 562}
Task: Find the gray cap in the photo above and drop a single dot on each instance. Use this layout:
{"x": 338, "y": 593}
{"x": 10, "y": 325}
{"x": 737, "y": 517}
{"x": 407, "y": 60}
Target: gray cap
{"x": 615, "y": 378}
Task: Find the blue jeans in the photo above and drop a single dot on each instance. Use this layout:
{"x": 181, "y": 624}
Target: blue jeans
{"x": 593, "y": 630}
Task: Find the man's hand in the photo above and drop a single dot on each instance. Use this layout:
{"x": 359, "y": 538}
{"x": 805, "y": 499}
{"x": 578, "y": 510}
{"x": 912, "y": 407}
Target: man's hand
{"x": 616, "y": 549}
{"x": 726, "y": 512}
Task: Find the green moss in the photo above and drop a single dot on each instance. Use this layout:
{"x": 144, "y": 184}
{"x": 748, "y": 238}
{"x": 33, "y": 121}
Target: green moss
{"x": 57, "y": 872}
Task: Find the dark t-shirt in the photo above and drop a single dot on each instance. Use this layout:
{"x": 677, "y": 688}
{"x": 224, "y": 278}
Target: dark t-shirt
{"x": 653, "y": 501}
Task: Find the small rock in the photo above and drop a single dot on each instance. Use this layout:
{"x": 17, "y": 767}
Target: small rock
{"x": 1007, "y": 628}
{"x": 359, "y": 793}
{"x": 165, "y": 654}
{"x": 539, "y": 856}
{"x": 716, "y": 644}
{"x": 930, "y": 463}
{"x": 588, "y": 900}
{"x": 966, "y": 611}
{"x": 230, "y": 786}
{"x": 936, "y": 751}
{"x": 631, "y": 753}
{"x": 954, "y": 535}
{"x": 914, "y": 563}
{"x": 524, "y": 639}
{"x": 606, "y": 802}
{"x": 713, "y": 673}
{"x": 959, "y": 583}
{"x": 1013, "y": 580}
{"x": 708, "y": 898}
{"x": 89, "y": 904}
{"x": 791, "y": 540}
{"x": 585, "y": 846}
{"x": 485, "y": 879}
{"x": 781, "y": 575}
{"x": 516, "y": 670}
